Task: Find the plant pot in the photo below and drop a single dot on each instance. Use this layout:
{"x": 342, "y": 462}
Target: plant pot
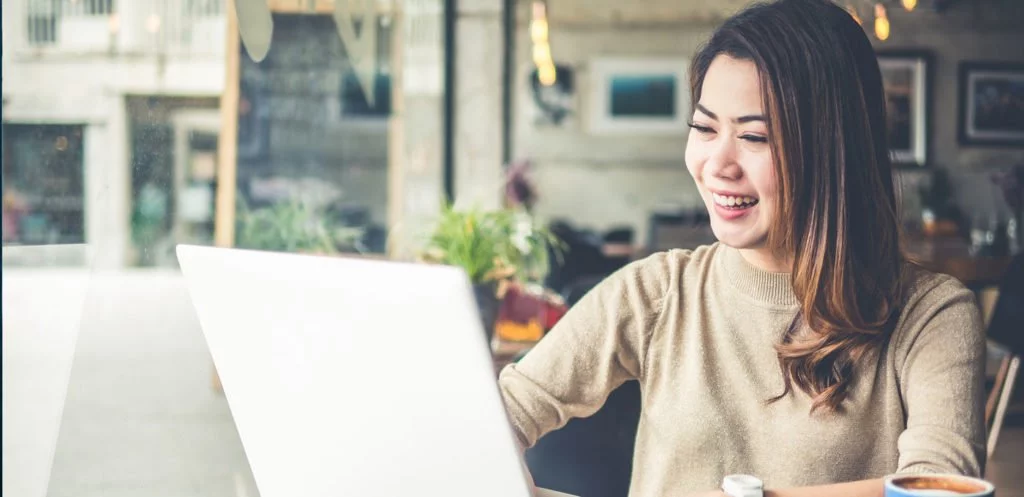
{"x": 488, "y": 303}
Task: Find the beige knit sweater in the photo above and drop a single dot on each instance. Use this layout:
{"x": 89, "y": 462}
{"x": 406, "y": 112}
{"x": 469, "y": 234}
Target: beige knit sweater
{"x": 697, "y": 329}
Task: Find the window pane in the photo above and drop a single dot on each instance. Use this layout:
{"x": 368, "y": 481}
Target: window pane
{"x": 43, "y": 189}
{"x": 310, "y": 142}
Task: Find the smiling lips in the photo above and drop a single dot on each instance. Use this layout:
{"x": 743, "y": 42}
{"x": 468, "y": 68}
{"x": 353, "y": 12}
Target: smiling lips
{"x": 734, "y": 202}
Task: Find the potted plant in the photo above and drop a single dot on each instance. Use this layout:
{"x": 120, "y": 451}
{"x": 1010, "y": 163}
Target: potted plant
{"x": 293, "y": 226}
{"x": 492, "y": 247}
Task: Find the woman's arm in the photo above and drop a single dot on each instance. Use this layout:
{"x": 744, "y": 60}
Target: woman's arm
{"x": 863, "y": 488}
{"x": 598, "y": 345}
{"x": 940, "y": 360}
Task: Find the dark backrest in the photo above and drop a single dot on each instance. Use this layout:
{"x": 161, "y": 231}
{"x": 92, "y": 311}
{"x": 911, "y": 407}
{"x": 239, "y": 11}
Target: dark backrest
{"x": 591, "y": 457}
{"x": 583, "y": 257}
{"x": 1007, "y": 325}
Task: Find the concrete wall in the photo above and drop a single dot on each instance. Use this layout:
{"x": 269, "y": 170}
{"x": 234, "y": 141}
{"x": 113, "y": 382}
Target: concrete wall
{"x": 478, "y": 89}
{"x": 91, "y": 90}
{"x": 602, "y": 181}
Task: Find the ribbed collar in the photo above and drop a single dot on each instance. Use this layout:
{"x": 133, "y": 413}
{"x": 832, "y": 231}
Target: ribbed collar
{"x": 774, "y": 289}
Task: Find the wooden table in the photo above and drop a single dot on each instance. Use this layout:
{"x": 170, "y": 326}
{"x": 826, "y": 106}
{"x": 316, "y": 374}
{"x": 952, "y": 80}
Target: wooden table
{"x": 505, "y": 352}
{"x": 974, "y": 272}
{"x": 951, "y": 255}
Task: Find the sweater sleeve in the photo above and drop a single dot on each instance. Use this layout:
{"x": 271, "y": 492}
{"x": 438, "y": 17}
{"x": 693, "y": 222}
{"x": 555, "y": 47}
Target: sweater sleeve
{"x": 942, "y": 382}
{"x": 598, "y": 345}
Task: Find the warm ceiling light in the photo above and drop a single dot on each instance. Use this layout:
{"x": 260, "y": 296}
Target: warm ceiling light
{"x": 114, "y": 23}
{"x": 546, "y": 74}
{"x": 881, "y": 22}
{"x": 542, "y": 54}
{"x": 539, "y": 30}
{"x": 909, "y": 4}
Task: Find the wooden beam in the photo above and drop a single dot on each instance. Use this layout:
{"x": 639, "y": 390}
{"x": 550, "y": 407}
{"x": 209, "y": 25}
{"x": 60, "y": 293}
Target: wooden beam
{"x": 321, "y": 6}
{"x": 302, "y": 6}
{"x": 397, "y": 147}
{"x": 227, "y": 142}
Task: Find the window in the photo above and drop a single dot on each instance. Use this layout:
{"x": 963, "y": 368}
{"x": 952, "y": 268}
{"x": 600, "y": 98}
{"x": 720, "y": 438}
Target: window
{"x": 43, "y": 200}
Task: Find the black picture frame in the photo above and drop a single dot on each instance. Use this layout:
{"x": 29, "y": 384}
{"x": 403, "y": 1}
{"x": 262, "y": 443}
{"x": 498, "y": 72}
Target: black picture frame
{"x": 987, "y": 81}
{"x": 907, "y": 77}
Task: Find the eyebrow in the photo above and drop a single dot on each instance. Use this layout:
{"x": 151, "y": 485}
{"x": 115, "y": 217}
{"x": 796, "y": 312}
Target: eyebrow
{"x": 740, "y": 120}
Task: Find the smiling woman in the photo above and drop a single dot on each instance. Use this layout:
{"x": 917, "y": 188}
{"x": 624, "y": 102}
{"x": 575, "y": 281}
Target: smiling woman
{"x": 802, "y": 348}
{"x": 827, "y": 209}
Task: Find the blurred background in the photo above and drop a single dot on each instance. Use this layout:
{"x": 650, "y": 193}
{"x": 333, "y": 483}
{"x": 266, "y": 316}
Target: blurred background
{"x": 381, "y": 127}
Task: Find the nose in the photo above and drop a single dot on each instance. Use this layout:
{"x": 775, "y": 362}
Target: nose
{"x": 721, "y": 163}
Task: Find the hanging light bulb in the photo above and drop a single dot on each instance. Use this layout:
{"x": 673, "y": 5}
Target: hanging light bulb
{"x": 541, "y": 54}
{"x": 853, "y": 14}
{"x": 546, "y": 74}
{"x": 539, "y": 30}
{"x": 881, "y": 22}
{"x": 909, "y": 4}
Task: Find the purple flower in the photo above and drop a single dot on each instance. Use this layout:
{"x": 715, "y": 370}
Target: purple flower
{"x": 519, "y": 188}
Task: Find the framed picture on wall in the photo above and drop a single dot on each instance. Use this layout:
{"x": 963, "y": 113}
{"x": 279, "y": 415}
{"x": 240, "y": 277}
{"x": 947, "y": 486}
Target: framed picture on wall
{"x": 906, "y": 79}
{"x": 991, "y": 103}
{"x": 638, "y": 96}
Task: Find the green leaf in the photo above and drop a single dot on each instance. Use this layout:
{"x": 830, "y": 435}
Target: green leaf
{"x": 492, "y": 245}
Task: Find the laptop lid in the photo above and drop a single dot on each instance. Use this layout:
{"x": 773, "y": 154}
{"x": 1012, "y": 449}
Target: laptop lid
{"x": 350, "y": 377}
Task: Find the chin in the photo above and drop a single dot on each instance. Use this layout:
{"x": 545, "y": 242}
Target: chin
{"x": 738, "y": 240}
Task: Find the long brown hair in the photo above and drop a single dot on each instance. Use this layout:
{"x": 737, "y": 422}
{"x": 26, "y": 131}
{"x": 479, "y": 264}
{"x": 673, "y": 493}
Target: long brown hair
{"x": 837, "y": 218}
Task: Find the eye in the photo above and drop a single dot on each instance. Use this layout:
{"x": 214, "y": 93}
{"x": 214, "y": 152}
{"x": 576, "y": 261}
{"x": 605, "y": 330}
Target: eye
{"x": 754, "y": 138}
{"x": 700, "y": 129}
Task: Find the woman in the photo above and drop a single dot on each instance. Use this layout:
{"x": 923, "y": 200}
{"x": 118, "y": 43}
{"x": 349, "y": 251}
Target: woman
{"x": 801, "y": 348}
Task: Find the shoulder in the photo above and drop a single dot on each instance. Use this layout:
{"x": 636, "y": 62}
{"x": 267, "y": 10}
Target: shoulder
{"x": 936, "y": 305}
{"x": 927, "y": 292}
{"x": 664, "y": 272}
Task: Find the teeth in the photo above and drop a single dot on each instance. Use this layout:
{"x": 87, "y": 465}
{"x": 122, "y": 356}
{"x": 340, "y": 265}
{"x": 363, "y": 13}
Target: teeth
{"x": 731, "y": 201}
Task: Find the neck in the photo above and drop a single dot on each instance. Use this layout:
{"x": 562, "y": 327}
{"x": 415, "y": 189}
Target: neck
{"x": 766, "y": 260}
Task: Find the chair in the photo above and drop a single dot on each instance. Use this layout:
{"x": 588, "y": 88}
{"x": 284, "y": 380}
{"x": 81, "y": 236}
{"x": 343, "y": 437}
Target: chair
{"x": 591, "y": 457}
{"x": 1006, "y": 334}
{"x": 583, "y": 258}
{"x": 680, "y": 229}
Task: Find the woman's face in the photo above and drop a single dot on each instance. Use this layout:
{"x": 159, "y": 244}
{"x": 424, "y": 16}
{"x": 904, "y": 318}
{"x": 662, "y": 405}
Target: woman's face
{"x": 729, "y": 156}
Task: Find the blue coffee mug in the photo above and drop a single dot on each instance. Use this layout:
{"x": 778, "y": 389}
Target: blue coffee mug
{"x": 936, "y": 485}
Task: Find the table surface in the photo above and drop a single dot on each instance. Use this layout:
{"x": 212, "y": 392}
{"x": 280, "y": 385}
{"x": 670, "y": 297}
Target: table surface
{"x": 505, "y": 352}
{"x": 951, "y": 255}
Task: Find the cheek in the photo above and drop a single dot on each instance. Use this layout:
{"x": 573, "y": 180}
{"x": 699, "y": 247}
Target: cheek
{"x": 694, "y": 159}
{"x": 765, "y": 179}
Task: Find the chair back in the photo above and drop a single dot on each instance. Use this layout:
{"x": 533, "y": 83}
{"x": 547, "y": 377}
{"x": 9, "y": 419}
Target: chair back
{"x": 591, "y": 457}
{"x": 1006, "y": 327}
{"x": 1006, "y": 331}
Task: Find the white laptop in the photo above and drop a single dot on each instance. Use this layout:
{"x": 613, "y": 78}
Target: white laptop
{"x": 354, "y": 377}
